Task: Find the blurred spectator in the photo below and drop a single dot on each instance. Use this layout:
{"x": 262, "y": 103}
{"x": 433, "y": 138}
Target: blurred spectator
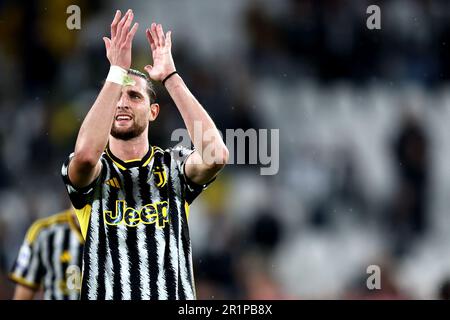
{"x": 6, "y": 288}
{"x": 215, "y": 274}
{"x": 409, "y": 217}
{"x": 265, "y": 233}
{"x": 256, "y": 281}
{"x": 389, "y": 289}
{"x": 444, "y": 290}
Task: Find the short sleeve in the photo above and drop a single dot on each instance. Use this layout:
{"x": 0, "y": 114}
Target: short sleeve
{"x": 79, "y": 197}
{"x": 191, "y": 190}
{"x": 28, "y": 269}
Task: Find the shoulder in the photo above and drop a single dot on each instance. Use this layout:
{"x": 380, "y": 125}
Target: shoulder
{"x": 179, "y": 151}
{"x": 158, "y": 151}
{"x": 46, "y": 223}
{"x": 175, "y": 155}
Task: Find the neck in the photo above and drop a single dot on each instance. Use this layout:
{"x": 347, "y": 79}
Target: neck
{"x": 135, "y": 148}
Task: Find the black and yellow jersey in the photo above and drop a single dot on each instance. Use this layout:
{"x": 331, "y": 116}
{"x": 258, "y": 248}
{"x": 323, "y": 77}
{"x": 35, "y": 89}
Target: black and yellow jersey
{"x": 134, "y": 218}
{"x": 51, "y": 246}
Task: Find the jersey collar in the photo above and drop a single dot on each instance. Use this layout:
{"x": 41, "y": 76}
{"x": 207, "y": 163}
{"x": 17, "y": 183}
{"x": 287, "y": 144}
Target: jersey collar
{"x": 123, "y": 165}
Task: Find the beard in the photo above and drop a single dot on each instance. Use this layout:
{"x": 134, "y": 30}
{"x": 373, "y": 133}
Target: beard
{"x": 127, "y": 134}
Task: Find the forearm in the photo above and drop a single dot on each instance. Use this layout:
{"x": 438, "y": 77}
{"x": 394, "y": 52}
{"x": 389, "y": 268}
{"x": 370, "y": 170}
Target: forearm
{"x": 23, "y": 293}
{"x": 94, "y": 132}
{"x": 195, "y": 117}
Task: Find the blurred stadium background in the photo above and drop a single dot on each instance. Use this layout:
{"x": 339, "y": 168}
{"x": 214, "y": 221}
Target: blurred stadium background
{"x": 364, "y": 173}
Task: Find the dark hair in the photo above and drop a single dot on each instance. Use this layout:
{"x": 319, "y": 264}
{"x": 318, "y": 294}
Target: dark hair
{"x": 150, "y": 88}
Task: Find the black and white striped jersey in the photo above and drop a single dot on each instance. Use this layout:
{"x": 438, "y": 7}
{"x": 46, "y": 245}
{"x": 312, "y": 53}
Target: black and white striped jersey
{"x": 134, "y": 218}
{"x": 51, "y": 246}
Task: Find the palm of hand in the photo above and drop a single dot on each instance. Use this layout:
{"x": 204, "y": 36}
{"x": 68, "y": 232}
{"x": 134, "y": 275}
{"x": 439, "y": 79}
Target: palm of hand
{"x": 161, "y": 46}
{"x": 162, "y": 63}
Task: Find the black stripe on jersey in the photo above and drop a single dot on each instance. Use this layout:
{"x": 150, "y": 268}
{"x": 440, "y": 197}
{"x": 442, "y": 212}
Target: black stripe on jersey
{"x": 114, "y": 245}
{"x": 15, "y": 269}
{"x": 186, "y": 249}
{"x": 35, "y": 275}
{"x": 86, "y": 269}
{"x": 50, "y": 263}
{"x": 65, "y": 263}
{"x": 145, "y": 191}
{"x": 40, "y": 273}
{"x": 133, "y": 253}
{"x": 173, "y": 225}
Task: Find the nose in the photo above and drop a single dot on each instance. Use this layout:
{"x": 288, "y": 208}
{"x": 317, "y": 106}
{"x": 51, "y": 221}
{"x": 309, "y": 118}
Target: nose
{"x": 122, "y": 107}
{"x": 123, "y": 102}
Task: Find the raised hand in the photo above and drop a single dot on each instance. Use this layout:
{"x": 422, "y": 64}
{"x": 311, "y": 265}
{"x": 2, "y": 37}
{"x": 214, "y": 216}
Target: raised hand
{"x": 118, "y": 48}
{"x": 161, "y": 46}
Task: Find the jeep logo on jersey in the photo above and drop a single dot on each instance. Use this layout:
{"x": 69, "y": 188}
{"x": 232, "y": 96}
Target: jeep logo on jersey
{"x": 148, "y": 214}
{"x": 160, "y": 176}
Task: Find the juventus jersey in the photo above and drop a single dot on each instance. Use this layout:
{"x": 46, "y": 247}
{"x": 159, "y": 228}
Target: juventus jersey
{"x": 51, "y": 246}
{"x": 134, "y": 218}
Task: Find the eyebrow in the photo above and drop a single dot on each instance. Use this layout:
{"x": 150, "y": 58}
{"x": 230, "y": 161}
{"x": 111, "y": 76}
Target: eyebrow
{"x": 131, "y": 91}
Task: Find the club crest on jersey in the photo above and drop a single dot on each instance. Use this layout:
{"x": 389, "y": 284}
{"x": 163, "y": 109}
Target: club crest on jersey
{"x": 153, "y": 213}
{"x": 160, "y": 176}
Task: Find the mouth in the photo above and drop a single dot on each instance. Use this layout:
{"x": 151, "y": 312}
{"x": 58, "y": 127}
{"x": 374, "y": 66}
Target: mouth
{"x": 123, "y": 118}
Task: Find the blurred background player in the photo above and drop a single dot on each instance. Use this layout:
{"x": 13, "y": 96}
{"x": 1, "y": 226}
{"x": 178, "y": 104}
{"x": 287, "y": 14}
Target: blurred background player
{"x": 51, "y": 246}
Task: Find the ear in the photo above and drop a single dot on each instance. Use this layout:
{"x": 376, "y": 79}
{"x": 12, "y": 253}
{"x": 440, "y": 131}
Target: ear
{"x": 154, "y": 111}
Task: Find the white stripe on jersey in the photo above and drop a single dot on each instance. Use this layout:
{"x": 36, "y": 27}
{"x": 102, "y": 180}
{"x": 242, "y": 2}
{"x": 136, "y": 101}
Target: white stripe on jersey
{"x": 161, "y": 248}
{"x": 74, "y": 245}
{"x": 93, "y": 251}
{"x": 125, "y": 284}
{"x": 143, "y": 263}
{"x": 32, "y": 271}
{"x": 109, "y": 270}
{"x": 124, "y": 263}
{"x": 57, "y": 252}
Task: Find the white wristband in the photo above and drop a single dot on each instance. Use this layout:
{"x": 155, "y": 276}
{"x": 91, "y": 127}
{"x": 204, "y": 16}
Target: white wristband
{"x": 117, "y": 75}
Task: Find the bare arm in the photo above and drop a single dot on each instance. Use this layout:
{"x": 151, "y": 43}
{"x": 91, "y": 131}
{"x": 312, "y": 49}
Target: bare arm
{"x": 23, "y": 293}
{"x": 94, "y": 132}
{"x": 200, "y": 167}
